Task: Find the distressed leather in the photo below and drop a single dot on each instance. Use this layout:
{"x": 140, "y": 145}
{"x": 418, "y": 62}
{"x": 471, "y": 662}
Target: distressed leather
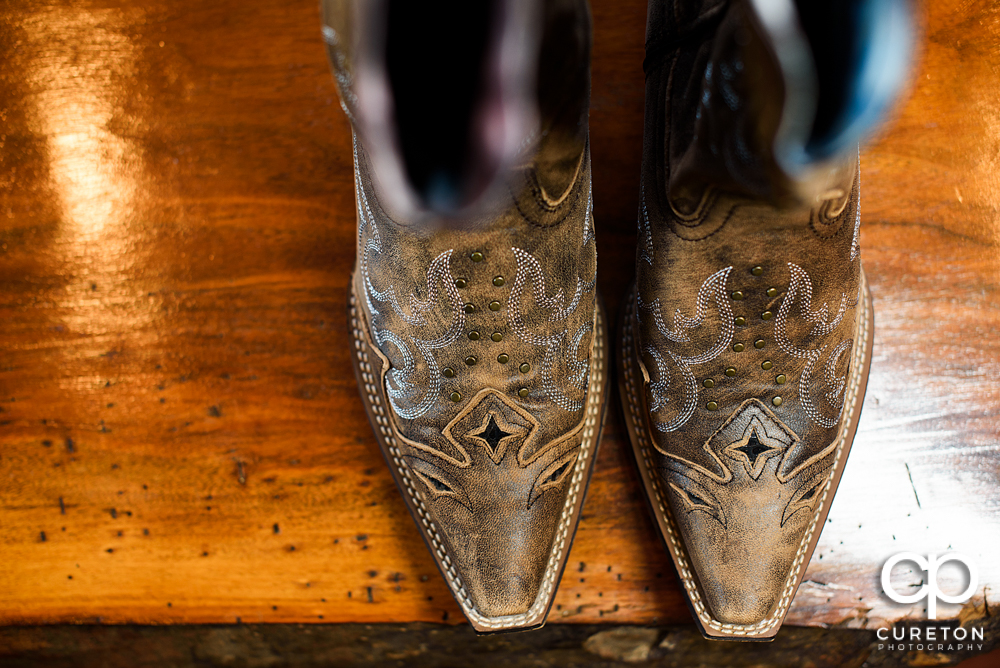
{"x": 480, "y": 350}
{"x": 746, "y": 339}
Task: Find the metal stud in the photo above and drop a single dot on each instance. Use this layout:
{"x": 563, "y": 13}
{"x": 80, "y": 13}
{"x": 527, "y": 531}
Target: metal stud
{"x": 712, "y": 406}
{"x": 737, "y": 295}
{"x": 738, "y": 347}
{"x": 740, "y": 321}
{"x": 448, "y": 372}
{"x": 456, "y": 397}
{"x": 523, "y": 392}
{"x": 524, "y": 368}
{"x": 758, "y": 344}
{"x": 766, "y": 365}
{"x": 776, "y": 401}
{"x": 494, "y": 306}
{"x": 461, "y": 283}
{"x": 477, "y": 257}
{"x": 780, "y": 379}
{"x": 757, "y": 271}
{"x": 503, "y": 358}
{"x": 470, "y": 360}
{"x": 498, "y": 281}
{"x": 772, "y": 292}
{"x": 731, "y": 371}
{"x": 766, "y": 315}
{"x": 470, "y": 308}
{"x": 709, "y": 383}
{"x": 497, "y": 337}
{"x": 473, "y": 335}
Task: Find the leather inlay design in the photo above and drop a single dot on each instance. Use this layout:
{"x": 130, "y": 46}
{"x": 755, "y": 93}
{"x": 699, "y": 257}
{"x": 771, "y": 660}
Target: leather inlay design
{"x": 493, "y": 422}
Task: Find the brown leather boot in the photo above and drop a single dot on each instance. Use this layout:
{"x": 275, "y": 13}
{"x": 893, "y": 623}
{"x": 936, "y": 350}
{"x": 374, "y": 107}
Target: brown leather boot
{"x": 746, "y": 342}
{"x": 479, "y": 343}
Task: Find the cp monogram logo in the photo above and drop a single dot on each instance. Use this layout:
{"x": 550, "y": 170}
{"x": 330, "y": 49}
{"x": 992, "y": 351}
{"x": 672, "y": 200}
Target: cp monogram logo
{"x": 930, "y": 590}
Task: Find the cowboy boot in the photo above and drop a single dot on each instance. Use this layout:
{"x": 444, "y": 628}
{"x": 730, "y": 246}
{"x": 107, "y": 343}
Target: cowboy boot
{"x": 746, "y": 340}
{"x": 479, "y": 343}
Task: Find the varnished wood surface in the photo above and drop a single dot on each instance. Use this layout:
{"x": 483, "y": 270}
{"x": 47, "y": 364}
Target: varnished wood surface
{"x": 180, "y": 434}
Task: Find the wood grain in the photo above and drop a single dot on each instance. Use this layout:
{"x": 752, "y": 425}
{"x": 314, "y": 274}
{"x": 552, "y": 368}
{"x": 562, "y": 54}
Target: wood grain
{"x": 181, "y": 438}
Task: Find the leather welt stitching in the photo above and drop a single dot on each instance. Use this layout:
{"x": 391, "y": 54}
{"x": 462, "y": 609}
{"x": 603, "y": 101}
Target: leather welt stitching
{"x": 451, "y": 575}
{"x": 676, "y": 547}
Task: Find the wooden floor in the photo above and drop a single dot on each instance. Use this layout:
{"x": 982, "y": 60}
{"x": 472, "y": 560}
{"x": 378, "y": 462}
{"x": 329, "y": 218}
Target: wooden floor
{"x": 181, "y": 438}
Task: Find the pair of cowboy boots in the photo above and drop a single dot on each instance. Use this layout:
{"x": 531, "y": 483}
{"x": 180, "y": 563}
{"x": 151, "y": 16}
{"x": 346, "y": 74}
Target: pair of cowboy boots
{"x": 479, "y": 341}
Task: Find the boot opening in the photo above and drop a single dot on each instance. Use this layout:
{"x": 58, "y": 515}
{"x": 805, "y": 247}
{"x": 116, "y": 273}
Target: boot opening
{"x": 860, "y": 50}
{"x": 437, "y": 62}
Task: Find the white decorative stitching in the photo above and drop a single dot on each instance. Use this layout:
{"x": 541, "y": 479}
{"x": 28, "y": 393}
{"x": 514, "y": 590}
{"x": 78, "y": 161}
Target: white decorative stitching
{"x": 856, "y": 240}
{"x": 714, "y": 286}
{"x": 405, "y": 396}
{"x": 800, "y": 290}
{"x": 646, "y": 251}
{"x": 666, "y": 520}
{"x": 530, "y": 270}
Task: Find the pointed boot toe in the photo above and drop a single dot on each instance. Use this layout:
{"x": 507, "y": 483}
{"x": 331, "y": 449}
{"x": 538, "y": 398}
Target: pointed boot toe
{"x": 746, "y": 340}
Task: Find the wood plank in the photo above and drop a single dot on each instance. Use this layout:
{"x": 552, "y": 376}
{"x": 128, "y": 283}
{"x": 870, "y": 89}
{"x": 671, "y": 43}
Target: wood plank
{"x": 180, "y": 434}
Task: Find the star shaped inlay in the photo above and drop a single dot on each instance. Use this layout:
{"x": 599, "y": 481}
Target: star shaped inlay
{"x": 494, "y": 434}
{"x": 755, "y": 447}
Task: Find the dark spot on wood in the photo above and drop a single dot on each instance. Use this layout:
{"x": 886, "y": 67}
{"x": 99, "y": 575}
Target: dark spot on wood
{"x": 121, "y": 533}
{"x": 274, "y": 607}
{"x": 424, "y": 578}
{"x": 110, "y": 550}
{"x": 114, "y": 513}
{"x": 70, "y": 447}
{"x": 69, "y": 577}
{"x": 111, "y": 405}
{"x": 276, "y": 528}
{"x": 163, "y": 400}
{"x": 348, "y": 594}
{"x": 241, "y": 474}
{"x": 214, "y": 411}
{"x": 291, "y": 548}
{"x": 204, "y": 554}
{"x": 145, "y": 532}
{"x": 362, "y": 536}
{"x": 114, "y": 466}
{"x": 372, "y": 574}
{"x": 47, "y": 443}
{"x": 41, "y": 537}
{"x": 62, "y": 506}
{"x": 582, "y": 567}
{"x": 444, "y": 617}
{"x": 370, "y": 599}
